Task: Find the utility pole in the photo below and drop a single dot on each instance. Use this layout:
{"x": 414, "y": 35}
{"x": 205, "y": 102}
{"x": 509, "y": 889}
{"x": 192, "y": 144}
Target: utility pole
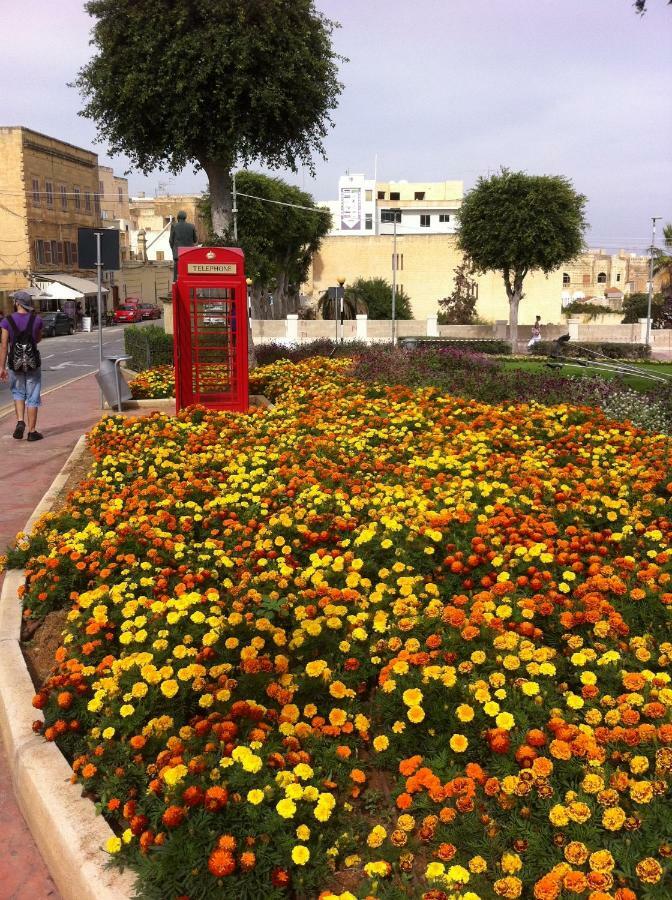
{"x": 654, "y": 219}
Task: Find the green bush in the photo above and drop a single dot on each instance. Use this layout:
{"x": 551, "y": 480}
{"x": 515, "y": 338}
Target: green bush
{"x": 491, "y": 346}
{"x": 613, "y": 350}
{"x": 148, "y": 347}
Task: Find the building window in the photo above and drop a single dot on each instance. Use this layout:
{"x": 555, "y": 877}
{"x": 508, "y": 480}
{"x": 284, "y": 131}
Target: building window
{"x": 59, "y": 251}
{"x": 160, "y": 256}
{"x": 47, "y": 252}
{"x": 39, "y": 253}
{"x": 66, "y": 253}
{"x": 49, "y": 188}
{"x": 618, "y": 276}
{"x": 96, "y": 203}
{"x": 64, "y": 197}
{"x": 73, "y": 254}
{"x": 444, "y": 217}
{"x": 381, "y": 195}
{"x": 78, "y": 197}
{"x": 101, "y": 188}
{"x": 425, "y": 220}
{"x": 36, "y": 191}
{"x": 565, "y": 278}
{"x": 87, "y": 201}
{"x": 394, "y": 195}
{"x": 368, "y": 221}
{"x": 419, "y": 195}
{"x": 54, "y": 252}
{"x": 602, "y": 278}
{"x": 368, "y": 196}
{"x": 586, "y": 279}
{"x": 120, "y": 194}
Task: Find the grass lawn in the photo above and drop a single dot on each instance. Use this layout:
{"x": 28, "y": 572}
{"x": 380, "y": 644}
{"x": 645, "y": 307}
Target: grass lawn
{"x": 639, "y": 384}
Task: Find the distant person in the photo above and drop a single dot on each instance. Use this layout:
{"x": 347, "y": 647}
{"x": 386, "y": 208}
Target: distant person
{"x": 20, "y": 360}
{"x": 182, "y": 234}
{"x": 536, "y": 333}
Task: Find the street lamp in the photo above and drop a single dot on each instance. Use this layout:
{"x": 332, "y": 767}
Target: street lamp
{"x": 341, "y": 281}
{"x": 654, "y": 219}
{"x": 394, "y": 216}
{"x": 248, "y": 282}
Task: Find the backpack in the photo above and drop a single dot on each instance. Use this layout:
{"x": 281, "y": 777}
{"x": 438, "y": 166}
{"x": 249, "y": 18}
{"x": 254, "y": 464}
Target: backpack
{"x": 23, "y": 353}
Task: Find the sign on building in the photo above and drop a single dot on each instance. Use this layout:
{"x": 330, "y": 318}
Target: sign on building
{"x": 351, "y": 209}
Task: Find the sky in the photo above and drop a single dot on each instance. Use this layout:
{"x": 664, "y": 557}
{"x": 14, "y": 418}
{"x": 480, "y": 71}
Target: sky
{"x": 434, "y": 90}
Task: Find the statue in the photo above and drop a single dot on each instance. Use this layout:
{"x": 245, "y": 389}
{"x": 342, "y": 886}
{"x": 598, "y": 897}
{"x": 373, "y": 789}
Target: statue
{"x": 182, "y": 234}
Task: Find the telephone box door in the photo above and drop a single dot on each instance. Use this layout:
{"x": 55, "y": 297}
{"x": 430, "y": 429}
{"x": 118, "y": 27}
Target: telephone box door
{"x": 210, "y": 329}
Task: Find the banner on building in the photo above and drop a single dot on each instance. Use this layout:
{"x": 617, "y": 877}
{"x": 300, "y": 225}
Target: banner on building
{"x": 351, "y": 209}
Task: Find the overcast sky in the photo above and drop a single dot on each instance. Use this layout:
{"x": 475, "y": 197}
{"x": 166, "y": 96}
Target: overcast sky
{"x": 437, "y": 90}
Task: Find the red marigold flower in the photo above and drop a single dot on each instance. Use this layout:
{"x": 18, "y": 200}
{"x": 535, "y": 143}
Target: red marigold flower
{"x": 221, "y": 863}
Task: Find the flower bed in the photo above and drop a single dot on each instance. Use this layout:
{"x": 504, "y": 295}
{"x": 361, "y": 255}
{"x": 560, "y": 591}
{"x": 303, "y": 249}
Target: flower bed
{"x": 374, "y": 642}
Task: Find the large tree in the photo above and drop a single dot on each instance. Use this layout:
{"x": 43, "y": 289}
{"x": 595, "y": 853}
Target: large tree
{"x": 213, "y": 83}
{"x": 279, "y": 229}
{"x": 516, "y": 223}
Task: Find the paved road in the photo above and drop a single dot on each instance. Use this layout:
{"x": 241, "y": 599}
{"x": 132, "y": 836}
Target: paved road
{"x": 68, "y": 356}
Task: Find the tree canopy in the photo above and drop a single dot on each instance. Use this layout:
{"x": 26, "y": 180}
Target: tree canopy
{"x": 279, "y": 230}
{"x": 374, "y": 297}
{"x": 211, "y": 82}
{"x": 517, "y": 223}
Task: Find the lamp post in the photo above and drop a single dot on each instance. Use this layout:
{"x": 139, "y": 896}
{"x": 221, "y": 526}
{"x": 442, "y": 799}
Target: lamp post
{"x": 394, "y": 216}
{"x": 248, "y": 282}
{"x": 341, "y": 281}
{"x": 654, "y": 219}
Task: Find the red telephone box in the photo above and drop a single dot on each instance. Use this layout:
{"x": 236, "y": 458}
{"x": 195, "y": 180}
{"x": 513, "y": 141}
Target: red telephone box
{"x": 210, "y": 328}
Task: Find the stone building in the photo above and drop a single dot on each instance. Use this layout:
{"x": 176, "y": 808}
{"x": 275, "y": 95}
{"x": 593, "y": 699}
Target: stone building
{"x": 114, "y": 208}
{"x": 150, "y": 219}
{"x": 49, "y": 188}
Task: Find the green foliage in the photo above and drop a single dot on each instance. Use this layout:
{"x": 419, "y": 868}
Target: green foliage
{"x": 489, "y": 346}
{"x": 278, "y": 241}
{"x": 515, "y": 223}
{"x": 374, "y": 297}
{"x": 613, "y": 349}
{"x": 635, "y": 307}
{"x": 148, "y": 347}
{"x": 460, "y": 307}
{"x": 583, "y": 308}
{"x": 211, "y": 82}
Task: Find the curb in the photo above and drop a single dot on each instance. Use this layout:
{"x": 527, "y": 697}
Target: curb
{"x": 65, "y": 826}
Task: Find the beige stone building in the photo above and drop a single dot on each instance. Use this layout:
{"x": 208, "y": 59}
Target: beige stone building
{"x": 597, "y": 273}
{"x": 48, "y": 188}
{"x": 150, "y": 219}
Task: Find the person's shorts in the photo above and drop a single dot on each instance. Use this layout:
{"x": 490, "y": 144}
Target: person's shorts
{"x": 26, "y": 386}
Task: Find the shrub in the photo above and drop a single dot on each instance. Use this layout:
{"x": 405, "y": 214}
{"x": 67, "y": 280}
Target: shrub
{"x": 270, "y": 353}
{"x": 614, "y": 350}
{"x": 491, "y": 346}
{"x": 148, "y": 347}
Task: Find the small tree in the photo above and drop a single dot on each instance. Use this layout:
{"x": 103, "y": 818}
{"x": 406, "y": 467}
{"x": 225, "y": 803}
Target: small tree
{"x": 635, "y": 307}
{"x": 213, "y": 83}
{"x": 516, "y": 223}
{"x": 460, "y": 307}
{"x": 373, "y": 296}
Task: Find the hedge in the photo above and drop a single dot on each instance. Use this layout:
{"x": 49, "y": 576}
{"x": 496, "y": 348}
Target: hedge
{"x": 148, "y": 347}
{"x": 491, "y": 346}
{"x": 613, "y": 350}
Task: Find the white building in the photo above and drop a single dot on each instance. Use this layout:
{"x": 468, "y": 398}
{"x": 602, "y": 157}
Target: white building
{"x": 424, "y": 207}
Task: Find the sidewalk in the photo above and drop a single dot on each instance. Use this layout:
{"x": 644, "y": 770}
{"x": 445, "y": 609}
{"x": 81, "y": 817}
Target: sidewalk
{"x": 68, "y": 411}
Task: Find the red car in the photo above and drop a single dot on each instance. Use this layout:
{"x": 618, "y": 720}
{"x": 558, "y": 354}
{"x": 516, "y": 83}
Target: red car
{"x": 149, "y": 311}
{"x": 127, "y": 314}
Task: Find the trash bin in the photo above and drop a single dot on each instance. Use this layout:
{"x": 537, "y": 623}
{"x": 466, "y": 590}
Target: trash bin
{"x": 86, "y": 323}
{"x": 112, "y": 382}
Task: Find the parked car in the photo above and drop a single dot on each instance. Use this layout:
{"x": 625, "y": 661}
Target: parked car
{"x": 127, "y": 314}
{"x": 56, "y": 323}
{"x": 149, "y": 311}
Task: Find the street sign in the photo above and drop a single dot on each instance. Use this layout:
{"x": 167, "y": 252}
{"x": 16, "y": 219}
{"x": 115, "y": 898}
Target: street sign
{"x": 109, "y": 247}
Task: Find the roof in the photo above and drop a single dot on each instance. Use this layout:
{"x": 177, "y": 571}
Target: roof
{"x": 71, "y": 287}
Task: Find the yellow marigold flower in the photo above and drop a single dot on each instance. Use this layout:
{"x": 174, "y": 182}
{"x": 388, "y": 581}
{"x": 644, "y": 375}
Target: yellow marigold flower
{"x": 315, "y": 668}
{"x": 286, "y": 808}
{"x": 511, "y": 863}
{"x": 338, "y": 717}
{"x": 303, "y": 833}
{"x": 126, "y": 710}
{"x": 477, "y": 865}
{"x": 412, "y": 697}
{"x": 435, "y": 870}
{"x": 381, "y": 742}
{"x": 300, "y": 855}
{"x": 558, "y": 815}
{"x": 458, "y": 874}
{"x": 415, "y": 714}
{"x": 458, "y": 743}
{"x": 255, "y": 796}
{"x": 649, "y": 870}
{"x": 601, "y": 861}
{"x": 465, "y": 713}
{"x": 510, "y": 888}
{"x": 505, "y": 720}
{"x": 613, "y": 819}
{"x": 113, "y": 845}
{"x": 169, "y": 688}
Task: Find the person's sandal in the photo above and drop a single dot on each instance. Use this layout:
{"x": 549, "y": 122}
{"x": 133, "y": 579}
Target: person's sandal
{"x": 34, "y": 436}
{"x": 18, "y": 431}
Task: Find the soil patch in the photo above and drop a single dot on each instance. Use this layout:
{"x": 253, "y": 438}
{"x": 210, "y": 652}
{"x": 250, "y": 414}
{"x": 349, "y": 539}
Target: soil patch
{"x": 41, "y": 639}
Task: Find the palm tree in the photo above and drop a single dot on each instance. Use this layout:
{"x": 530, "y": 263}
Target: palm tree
{"x": 662, "y": 265}
{"x": 329, "y": 307}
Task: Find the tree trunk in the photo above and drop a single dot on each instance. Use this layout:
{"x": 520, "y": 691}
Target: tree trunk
{"x": 514, "y": 301}
{"x": 219, "y": 178}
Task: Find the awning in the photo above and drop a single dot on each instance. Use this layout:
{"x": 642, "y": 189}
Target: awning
{"x": 67, "y": 287}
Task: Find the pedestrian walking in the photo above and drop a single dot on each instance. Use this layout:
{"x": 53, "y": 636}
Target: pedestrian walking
{"x": 21, "y": 332}
{"x": 536, "y": 333}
